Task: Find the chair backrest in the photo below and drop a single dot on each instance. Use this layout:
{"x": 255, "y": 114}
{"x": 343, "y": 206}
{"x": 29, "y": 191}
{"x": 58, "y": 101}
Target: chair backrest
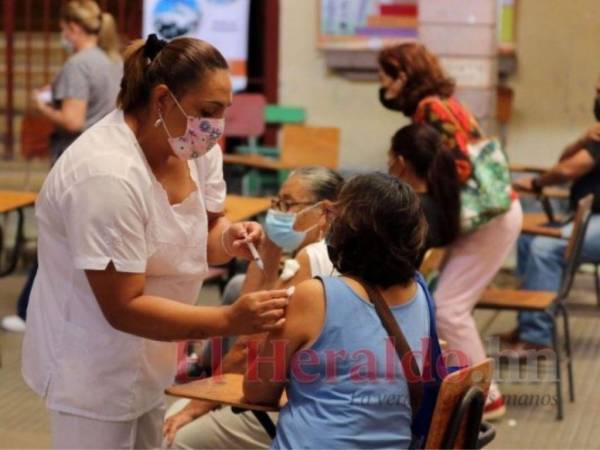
{"x": 280, "y": 114}
{"x": 573, "y": 250}
{"x": 245, "y": 118}
{"x": 309, "y": 146}
{"x": 454, "y": 388}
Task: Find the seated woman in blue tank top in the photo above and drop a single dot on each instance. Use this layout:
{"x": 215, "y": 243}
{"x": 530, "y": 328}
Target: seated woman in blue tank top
{"x": 345, "y": 385}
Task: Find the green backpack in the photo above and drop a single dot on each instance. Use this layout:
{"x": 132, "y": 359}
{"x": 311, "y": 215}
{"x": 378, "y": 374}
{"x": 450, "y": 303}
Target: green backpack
{"x": 487, "y": 193}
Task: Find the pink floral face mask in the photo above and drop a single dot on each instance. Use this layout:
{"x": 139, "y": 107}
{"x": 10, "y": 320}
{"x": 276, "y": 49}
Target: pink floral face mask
{"x": 200, "y": 136}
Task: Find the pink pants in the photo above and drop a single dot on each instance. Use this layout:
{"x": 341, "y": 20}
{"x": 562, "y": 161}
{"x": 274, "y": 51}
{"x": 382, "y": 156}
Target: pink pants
{"x": 472, "y": 262}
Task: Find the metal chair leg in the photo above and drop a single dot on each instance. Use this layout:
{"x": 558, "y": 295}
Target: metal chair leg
{"x": 565, "y": 314}
{"x": 557, "y": 361}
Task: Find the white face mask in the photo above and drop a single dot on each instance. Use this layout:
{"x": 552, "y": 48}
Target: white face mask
{"x": 66, "y": 44}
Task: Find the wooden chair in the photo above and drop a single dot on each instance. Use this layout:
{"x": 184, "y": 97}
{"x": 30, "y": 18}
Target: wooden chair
{"x": 551, "y": 303}
{"x": 275, "y": 116}
{"x": 461, "y": 393}
{"x": 245, "y": 118}
{"x": 554, "y": 193}
{"x": 301, "y": 146}
{"x": 457, "y": 417}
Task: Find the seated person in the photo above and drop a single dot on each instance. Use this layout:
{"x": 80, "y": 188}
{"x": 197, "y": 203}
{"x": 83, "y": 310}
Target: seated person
{"x": 301, "y": 204}
{"x": 540, "y": 260}
{"x": 333, "y": 365}
{"x": 417, "y": 157}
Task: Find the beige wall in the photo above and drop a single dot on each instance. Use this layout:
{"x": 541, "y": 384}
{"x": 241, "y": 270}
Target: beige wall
{"x": 559, "y": 61}
{"x": 329, "y": 99}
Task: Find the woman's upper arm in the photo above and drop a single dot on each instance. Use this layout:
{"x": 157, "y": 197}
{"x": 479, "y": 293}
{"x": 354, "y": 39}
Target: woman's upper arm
{"x": 73, "y": 111}
{"x": 268, "y": 373}
{"x": 579, "y": 164}
{"x": 104, "y": 219}
{"x": 113, "y": 290}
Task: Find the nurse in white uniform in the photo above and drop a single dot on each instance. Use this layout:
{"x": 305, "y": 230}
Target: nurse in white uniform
{"x": 129, "y": 219}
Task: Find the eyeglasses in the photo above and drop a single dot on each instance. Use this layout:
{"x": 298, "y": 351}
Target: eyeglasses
{"x": 285, "y": 205}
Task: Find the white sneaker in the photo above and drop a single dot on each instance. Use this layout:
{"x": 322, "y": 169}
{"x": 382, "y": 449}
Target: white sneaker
{"x": 13, "y": 323}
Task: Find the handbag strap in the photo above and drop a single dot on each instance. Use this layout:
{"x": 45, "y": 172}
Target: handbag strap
{"x": 404, "y": 352}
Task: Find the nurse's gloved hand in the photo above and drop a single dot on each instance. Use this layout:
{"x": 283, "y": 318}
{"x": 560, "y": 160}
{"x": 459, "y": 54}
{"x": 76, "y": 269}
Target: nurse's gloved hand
{"x": 236, "y": 237}
{"x": 257, "y": 312}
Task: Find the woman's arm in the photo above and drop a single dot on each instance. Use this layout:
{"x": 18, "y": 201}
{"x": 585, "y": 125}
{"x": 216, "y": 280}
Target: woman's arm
{"x": 268, "y": 373}
{"x": 70, "y": 116}
{"x": 593, "y": 134}
{"x": 192, "y": 411}
{"x": 125, "y": 306}
{"x": 569, "y": 169}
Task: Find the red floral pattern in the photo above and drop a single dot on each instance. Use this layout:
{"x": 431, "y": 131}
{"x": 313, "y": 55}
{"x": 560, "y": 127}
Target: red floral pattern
{"x": 456, "y": 124}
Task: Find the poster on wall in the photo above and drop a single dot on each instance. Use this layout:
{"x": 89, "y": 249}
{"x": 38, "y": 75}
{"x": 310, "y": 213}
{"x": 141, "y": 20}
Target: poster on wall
{"x": 223, "y": 23}
{"x": 367, "y": 24}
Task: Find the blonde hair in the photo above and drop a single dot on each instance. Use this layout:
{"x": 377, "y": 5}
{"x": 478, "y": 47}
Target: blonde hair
{"x": 88, "y": 15}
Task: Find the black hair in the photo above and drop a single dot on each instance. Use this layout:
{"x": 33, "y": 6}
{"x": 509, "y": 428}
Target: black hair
{"x": 421, "y": 145}
{"x": 379, "y": 231}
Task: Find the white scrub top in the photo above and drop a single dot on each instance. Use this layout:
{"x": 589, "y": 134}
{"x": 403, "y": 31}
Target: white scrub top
{"x": 102, "y": 203}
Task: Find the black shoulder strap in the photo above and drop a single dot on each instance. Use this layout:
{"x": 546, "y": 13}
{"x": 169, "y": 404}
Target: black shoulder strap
{"x": 405, "y": 354}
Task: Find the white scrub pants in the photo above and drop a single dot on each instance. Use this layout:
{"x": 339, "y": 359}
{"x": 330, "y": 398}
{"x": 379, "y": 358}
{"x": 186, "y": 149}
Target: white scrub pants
{"x": 76, "y": 432}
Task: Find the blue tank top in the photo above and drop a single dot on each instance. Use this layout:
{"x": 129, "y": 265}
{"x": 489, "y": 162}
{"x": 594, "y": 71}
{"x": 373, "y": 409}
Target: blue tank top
{"x": 348, "y": 389}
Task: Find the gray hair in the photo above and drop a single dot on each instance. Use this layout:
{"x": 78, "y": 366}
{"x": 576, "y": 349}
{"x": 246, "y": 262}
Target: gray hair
{"x": 323, "y": 183}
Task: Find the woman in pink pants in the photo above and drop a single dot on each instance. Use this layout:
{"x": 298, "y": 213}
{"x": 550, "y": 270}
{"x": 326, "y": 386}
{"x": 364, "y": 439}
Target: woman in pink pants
{"x": 472, "y": 262}
{"x": 414, "y": 83}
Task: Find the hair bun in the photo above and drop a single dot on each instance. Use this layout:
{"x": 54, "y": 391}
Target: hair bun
{"x": 153, "y": 46}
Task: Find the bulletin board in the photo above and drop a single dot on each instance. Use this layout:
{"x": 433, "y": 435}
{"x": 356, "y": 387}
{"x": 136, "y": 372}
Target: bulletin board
{"x": 366, "y": 24}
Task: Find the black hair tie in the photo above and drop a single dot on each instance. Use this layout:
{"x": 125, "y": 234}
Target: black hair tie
{"x": 153, "y": 46}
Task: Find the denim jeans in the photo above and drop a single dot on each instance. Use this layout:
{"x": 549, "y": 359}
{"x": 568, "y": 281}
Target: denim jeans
{"x": 540, "y": 264}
